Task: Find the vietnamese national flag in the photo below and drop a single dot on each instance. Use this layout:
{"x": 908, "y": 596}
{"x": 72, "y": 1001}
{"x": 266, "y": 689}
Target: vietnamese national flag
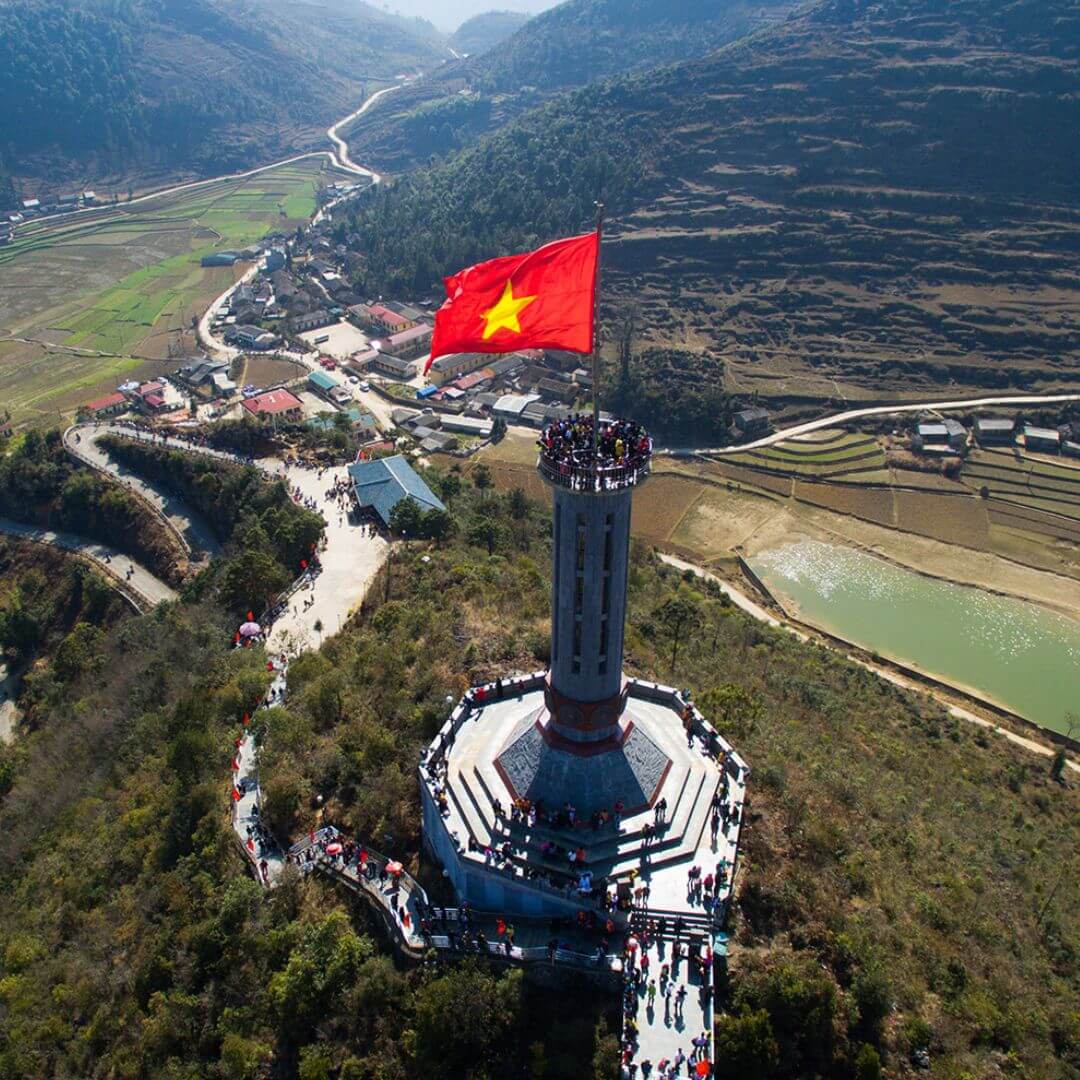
{"x": 540, "y": 300}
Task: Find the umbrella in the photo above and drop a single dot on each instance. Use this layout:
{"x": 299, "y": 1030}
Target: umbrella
{"x": 704, "y": 1068}
{"x": 250, "y": 629}
{"x": 394, "y": 868}
{"x": 333, "y": 849}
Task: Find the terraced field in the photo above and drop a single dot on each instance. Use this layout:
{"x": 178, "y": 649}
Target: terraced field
{"x": 115, "y": 293}
{"x": 1025, "y": 482}
{"x": 836, "y": 454}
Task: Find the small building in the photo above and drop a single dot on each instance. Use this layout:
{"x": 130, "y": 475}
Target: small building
{"x": 219, "y": 258}
{"x": 405, "y": 310}
{"x": 556, "y": 390}
{"x": 401, "y": 417}
{"x": 379, "y": 318}
{"x": 275, "y": 260}
{"x": 426, "y": 419}
{"x": 381, "y": 485}
{"x": 322, "y": 382}
{"x": 246, "y": 336}
{"x": 341, "y": 395}
{"x": 511, "y": 406}
{"x": 468, "y": 425}
{"x": 31, "y": 204}
{"x": 438, "y": 442}
{"x": 534, "y": 414}
{"x": 446, "y": 368}
{"x": 360, "y": 362}
{"x": 751, "y": 421}
{"x": 1070, "y": 448}
{"x": 394, "y": 366}
{"x": 409, "y": 344}
{"x": 930, "y": 434}
{"x": 274, "y": 404}
{"x": 994, "y": 430}
{"x": 1042, "y": 440}
{"x": 109, "y": 405}
{"x": 313, "y": 320}
{"x": 200, "y": 371}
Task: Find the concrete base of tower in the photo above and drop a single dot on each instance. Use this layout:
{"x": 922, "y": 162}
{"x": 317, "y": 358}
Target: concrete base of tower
{"x": 499, "y": 750}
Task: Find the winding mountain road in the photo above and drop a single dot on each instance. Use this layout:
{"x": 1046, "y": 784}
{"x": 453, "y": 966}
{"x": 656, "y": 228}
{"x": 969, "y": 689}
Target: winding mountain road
{"x": 115, "y": 564}
{"x": 338, "y": 157}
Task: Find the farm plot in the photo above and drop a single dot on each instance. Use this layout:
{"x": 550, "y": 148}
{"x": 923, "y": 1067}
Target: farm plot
{"x": 1024, "y": 481}
{"x": 842, "y": 454}
{"x": 120, "y": 288}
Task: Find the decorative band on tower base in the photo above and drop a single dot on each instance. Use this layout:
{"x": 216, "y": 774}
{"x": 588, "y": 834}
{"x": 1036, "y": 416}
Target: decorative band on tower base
{"x": 585, "y": 721}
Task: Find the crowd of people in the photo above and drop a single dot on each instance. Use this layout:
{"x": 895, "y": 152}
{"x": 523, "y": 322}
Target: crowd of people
{"x": 619, "y": 454}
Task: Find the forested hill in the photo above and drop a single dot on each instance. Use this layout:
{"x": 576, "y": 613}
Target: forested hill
{"x": 95, "y": 87}
{"x": 568, "y": 46}
{"x": 486, "y": 30}
{"x": 859, "y": 198}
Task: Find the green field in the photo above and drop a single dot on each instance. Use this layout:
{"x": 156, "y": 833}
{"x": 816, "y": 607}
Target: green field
{"x": 126, "y": 283}
{"x": 838, "y": 454}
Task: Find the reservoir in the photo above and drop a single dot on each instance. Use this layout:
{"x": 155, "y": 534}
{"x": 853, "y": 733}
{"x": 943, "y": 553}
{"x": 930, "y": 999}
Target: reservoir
{"x": 1017, "y": 654}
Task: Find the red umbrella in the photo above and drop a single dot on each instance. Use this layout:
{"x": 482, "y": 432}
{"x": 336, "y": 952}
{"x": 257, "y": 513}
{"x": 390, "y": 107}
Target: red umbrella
{"x": 236, "y": 794}
{"x": 394, "y": 868}
{"x": 334, "y": 849}
{"x": 703, "y": 1068}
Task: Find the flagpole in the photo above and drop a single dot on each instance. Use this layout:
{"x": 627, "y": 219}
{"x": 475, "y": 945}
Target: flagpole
{"x": 596, "y": 337}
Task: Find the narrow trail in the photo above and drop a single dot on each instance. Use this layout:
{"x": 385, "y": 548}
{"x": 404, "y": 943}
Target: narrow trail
{"x": 742, "y": 601}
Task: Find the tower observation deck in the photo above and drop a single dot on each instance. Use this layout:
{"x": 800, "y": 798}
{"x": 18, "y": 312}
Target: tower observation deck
{"x": 593, "y": 476}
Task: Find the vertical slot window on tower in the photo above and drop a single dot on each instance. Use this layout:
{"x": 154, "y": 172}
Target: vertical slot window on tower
{"x": 601, "y": 668}
{"x": 580, "y": 543}
{"x": 577, "y": 647}
{"x": 607, "y": 543}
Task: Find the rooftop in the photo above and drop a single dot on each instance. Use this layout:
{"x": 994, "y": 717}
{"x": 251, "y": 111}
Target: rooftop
{"x": 272, "y": 402}
{"x": 384, "y": 483}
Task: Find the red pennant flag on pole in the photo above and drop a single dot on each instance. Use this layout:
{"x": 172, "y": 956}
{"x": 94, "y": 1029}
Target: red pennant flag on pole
{"x": 247, "y": 719}
{"x": 542, "y": 299}
{"x": 250, "y": 844}
{"x": 235, "y": 794}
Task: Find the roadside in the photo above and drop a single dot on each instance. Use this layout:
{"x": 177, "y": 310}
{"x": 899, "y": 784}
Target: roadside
{"x": 911, "y": 683}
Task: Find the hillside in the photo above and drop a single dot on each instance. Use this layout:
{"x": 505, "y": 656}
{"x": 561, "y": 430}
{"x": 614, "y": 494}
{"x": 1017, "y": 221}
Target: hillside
{"x": 94, "y": 89}
{"x": 486, "y": 30}
{"x": 875, "y": 919}
{"x": 822, "y": 206}
{"x": 568, "y": 46}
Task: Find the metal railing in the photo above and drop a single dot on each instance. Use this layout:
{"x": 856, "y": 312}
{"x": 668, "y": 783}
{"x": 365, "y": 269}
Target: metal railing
{"x": 587, "y": 475}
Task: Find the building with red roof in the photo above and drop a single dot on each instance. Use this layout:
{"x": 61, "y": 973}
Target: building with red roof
{"x": 274, "y": 403}
{"x": 105, "y": 406}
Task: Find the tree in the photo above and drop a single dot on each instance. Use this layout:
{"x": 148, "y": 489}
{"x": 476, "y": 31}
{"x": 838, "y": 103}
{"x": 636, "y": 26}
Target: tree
{"x": 437, "y": 525}
{"x": 486, "y": 529}
{"x": 251, "y": 579}
{"x": 675, "y": 614}
{"x": 498, "y": 429}
{"x": 734, "y": 709}
{"x": 406, "y": 517}
{"x": 746, "y": 1045}
{"x": 449, "y": 487}
{"x": 518, "y": 506}
{"x": 481, "y": 478}
{"x": 463, "y": 1020}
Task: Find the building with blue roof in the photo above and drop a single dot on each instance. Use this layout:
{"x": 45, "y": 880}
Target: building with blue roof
{"x": 382, "y": 484}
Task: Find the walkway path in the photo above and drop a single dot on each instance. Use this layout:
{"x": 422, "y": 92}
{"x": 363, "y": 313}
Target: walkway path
{"x": 742, "y": 601}
{"x": 193, "y": 531}
{"x": 116, "y": 565}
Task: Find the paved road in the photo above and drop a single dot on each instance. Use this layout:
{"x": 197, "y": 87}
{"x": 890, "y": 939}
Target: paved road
{"x": 878, "y": 410}
{"x": 338, "y": 157}
{"x": 193, "y": 529}
{"x": 111, "y": 560}
{"x": 742, "y": 601}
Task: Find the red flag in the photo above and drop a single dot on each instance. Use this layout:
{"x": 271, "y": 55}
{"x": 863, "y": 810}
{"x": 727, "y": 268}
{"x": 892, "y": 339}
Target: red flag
{"x": 235, "y": 794}
{"x": 250, "y": 844}
{"x": 235, "y": 765}
{"x": 247, "y": 719}
{"x": 542, "y": 299}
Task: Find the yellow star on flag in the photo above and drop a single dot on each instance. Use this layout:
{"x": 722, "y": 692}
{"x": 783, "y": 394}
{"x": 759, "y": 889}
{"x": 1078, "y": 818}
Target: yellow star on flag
{"x": 504, "y": 315}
